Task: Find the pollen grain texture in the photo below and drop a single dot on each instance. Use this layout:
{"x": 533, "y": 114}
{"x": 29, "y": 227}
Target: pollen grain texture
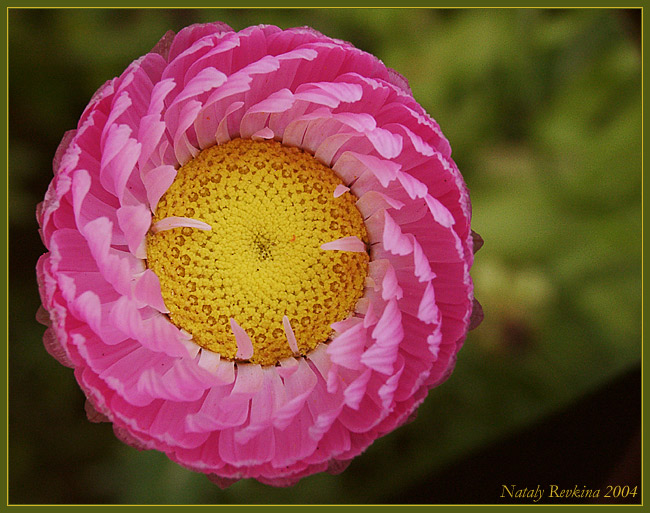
{"x": 270, "y": 208}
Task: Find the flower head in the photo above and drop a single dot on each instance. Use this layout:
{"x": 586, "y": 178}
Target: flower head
{"x": 258, "y": 253}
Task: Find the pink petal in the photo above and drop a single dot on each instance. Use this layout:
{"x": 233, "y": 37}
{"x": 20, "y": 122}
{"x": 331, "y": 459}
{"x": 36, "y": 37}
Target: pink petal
{"x": 256, "y": 116}
{"x": 372, "y": 201}
{"x": 69, "y": 252}
{"x": 388, "y": 334}
{"x": 325, "y": 408}
{"x": 390, "y": 288}
{"x": 135, "y": 222}
{"x": 293, "y": 445}
{"x": 120, "y": 154}
{"x": 329, "y": 94}
{"x": 249, "y": 380}
{"x": 87, "y": 206}
{"x": 94, "y": 415}
{"x": 263, "y": 405}
{"x": 263, "y": 134}
{"x": 298, "y": 387}
{"x": 187, "y": 37}
{"x": 351, "y": 165}
{"x": 346, "y": 348}
{"x": 212, "y": 416}
{"x": 223, "y": 371}
{"x": 331, "y": 145}
{"x": 393, "y": 239}
{"x": 117, "y": 267}
{"x": 259, "y": 450}
{"x": 223, "y": 134}
{"x": 345, "y": 324}
{"x": 321, "y": 360}
{"x": 428, "y": 310}
{"x": 169, "y": 426}
{"x": 184, "y": 150}
{"x": 147, "y": 290}
{"x": 340, "y": 190}
{"x": 155, "y": 332}
{"x": 356, "y": 390}
{"x": 156, "y": 182}
{"x": 387, "y": 390}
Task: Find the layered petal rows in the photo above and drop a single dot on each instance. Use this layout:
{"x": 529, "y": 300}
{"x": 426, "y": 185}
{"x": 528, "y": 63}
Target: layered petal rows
{"x": 103, "y": 307}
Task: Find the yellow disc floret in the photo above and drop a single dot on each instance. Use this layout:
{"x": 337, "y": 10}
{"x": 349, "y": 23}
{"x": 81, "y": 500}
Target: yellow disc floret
{"x": 271, "y": 207}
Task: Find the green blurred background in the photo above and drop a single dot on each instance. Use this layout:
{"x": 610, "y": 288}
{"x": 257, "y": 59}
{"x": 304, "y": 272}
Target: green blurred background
{"x": 543, "y": 112}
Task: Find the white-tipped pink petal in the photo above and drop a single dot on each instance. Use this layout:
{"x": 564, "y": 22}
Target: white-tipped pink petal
{"x": 244, "y": 343}
{"x": 352, "y": 243}
{"x": 340, "y": 190}
{"x": 291, "y": 337}
{"x": 169, "y": 223}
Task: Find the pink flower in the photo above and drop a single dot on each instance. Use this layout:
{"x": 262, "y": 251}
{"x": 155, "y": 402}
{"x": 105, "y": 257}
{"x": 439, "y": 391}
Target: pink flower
{"x": 258, "y": 253}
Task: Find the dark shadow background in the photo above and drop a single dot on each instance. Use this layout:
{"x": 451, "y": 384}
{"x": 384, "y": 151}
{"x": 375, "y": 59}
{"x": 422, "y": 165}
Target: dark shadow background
{"x": 543, "y": 112}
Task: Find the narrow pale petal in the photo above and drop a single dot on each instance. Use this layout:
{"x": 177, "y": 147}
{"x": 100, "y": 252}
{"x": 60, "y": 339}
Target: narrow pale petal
{"x": 352, "y": 244}
{"x": 244, "y": 343}
{"x": 134, "y": 222}
{"x": 170, "y": 223}
{"x": 291, "y": 338}
{"x": 147, "y": 290}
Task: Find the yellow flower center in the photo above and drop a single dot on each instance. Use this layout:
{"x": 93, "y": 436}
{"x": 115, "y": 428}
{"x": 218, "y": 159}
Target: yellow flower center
{"x": 270, "y": 208}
